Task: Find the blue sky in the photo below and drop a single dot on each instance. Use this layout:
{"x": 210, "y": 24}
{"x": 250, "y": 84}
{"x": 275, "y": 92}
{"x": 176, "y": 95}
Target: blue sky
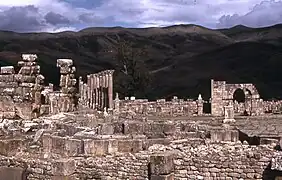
{"x": 61, "y": 15}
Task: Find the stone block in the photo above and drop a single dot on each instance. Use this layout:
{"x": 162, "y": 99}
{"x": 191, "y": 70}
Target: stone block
{"x": 63, "y": 167}
{"x": 24, "y": 110}
{"x": 113, "y": 146}
{"x": 162, "y": 177}
{"x": 12, "y": 173}
{"x": 25, "y": 78}
{"x": 151, "y": 142}
{"x": 8, "y": 114}
{"x": 129, "y": 145}
{"x": 8, "y": 84}
{"x": 106, "y": 129}
{"x": 162, "y": 163}
{"x": 7, "y": 70}
{"x": 93, "y": 147}
{"x": 72, "y": 177}
{"x": 29, "y": 57}
{"x": 74, "y": 147}
{"x": 10, "y": 147}
{"x": 58, "y": 145}
{"x": 228, "y": 135}
{"x": 47, "y": 143}
{"x": 132, "y": 127}
{"x": 64, "y": 62}
{"x": 7, "y": 78}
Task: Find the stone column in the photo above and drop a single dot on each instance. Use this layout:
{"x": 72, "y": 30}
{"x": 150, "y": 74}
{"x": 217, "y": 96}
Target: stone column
{"x": 228, "y": 114}
{"x": 102, "y": 91}
{"x": 106, "y": 89}
{"x": 88, "y": 90}
{"x": 200, "y": 105}
{"x": 98, "y": 91}
{"x": 92, "y": 91}
{"x": 110, "y": 89}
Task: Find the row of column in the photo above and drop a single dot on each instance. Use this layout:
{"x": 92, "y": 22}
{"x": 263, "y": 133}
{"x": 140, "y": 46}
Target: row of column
{"x": 97, "y": 93}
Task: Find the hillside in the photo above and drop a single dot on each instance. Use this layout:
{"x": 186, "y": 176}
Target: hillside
{"x": 182, "y": 58}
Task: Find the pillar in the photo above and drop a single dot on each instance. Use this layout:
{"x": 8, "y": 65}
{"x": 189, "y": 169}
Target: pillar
{"x": 102, "y": 90}
{"x": 88, "y": 90}
{"x": 97, "y": 91}
{"x": 110, "y": 89}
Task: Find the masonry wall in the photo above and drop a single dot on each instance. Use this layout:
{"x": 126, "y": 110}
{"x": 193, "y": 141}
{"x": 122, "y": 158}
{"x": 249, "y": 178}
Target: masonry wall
{"x": 230, "y": 161}
{"x": 176, "y": 107}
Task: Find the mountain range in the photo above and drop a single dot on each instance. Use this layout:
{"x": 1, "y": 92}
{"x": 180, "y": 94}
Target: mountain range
{"x": 181, "y": 59}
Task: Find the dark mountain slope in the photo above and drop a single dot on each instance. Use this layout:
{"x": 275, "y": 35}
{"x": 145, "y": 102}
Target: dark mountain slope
{"x": 253, "y": 62}
{"x": 181, "y": 59}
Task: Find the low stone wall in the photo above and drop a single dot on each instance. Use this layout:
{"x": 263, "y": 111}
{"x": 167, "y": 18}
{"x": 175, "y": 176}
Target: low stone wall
{"x": 180, "y": 160}
{"x": 176, "y": 107}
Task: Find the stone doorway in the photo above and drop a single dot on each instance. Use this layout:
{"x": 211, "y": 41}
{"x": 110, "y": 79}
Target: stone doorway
{"x": 242, "y": 100}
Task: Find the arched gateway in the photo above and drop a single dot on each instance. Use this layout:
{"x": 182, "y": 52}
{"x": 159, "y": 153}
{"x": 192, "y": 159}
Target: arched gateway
{"x": 244, "y": 97}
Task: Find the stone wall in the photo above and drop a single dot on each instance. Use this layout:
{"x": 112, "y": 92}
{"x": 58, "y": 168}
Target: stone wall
{"x": 179, "y": 160}
{"x": 161, "y": 107}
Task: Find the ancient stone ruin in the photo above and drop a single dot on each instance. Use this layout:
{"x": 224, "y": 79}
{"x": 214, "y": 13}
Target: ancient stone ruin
{"x": 82, "y": 132}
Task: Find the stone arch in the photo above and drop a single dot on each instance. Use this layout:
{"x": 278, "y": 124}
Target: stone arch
{"x": 222, "y": 94}
{"x": 249, "y": 90}
{"x": 241, "y": 95}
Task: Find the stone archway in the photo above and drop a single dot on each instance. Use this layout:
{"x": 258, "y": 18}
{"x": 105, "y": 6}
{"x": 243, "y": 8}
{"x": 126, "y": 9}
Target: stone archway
{"x": 239, "y": 96}
{"x": 222, "y": 94}
{"x": 242, "y": 100}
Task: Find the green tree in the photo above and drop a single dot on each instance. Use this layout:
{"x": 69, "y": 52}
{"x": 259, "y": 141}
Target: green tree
{"x": 132, "y": 77}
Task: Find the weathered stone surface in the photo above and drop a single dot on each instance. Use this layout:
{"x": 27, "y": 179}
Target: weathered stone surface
{"x": 12, "y": 173}
{"x": 161, "y": 164}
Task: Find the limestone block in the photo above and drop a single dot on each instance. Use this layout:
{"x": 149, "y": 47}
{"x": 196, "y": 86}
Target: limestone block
{"x": 64, "y": 62}
{"x": 10, "y": 147}
{"x": 12, "y": 173}
{"x": 65, "y": 70}
{"x": 7, "y": 77}
{"x": 106, "y": 129}
{"x": 27, "y": 85}
{"x": 8, "y": 84}
{"x": 29, "y": 57}
{"x": 95, "y": 147}
{"x": 162, "y": 163}
{"x": 71, "y": 177}
{"x": 113, "y": 146}
{"x": 8, "y": 114}
{"x": 25, "y": 78}
{"x": 58, "y": 145}
{"x": 25, "y": 63}
{"x": 228, "y": 135}
{"x": 24, "y": 110}
{"x": 162, "y": 177}
{"x": 63, "y": 167}
{"x": 46, "y": 143}
{"x": 74, "y": 147}
{"x": 151, "y": 142}
{"x": 129, "y": 145}
{"x": 7, "y": 70}
{"x": 131, "y": 127}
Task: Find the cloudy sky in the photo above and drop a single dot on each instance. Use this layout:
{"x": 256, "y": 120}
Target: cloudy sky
{"x": 61, "y": 15}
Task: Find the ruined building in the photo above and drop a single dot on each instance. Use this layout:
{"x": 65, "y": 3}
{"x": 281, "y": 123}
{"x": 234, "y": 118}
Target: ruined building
{"x": 82, "y": 132}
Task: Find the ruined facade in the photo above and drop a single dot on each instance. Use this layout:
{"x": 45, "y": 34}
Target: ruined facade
{"x": 80, "y": 132}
